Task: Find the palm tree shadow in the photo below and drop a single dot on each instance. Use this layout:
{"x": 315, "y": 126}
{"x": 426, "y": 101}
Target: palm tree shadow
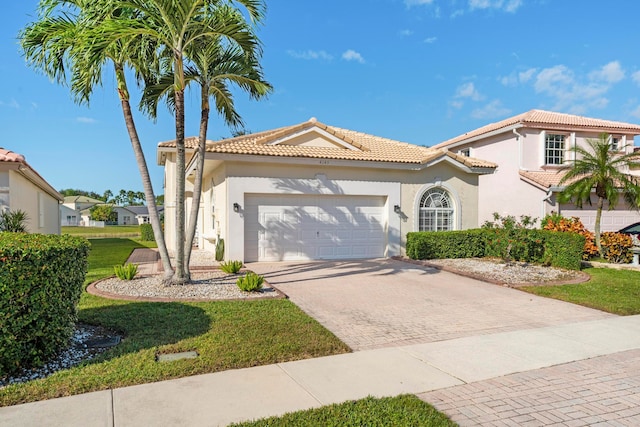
{"x": 146, "y": 325}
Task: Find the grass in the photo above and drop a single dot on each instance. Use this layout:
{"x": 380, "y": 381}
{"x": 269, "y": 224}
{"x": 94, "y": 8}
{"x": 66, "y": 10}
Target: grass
{"x": 106, "y": 231}
{"x": 226, "y": 335}
{"x": 614, "y": 291}
{"x": 404, "y": 410}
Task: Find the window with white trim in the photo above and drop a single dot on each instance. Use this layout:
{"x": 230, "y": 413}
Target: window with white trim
{"x": 436, "y": 211}
{"x": 465, "y": 152}
{"x": 554, "y": 148}
{"x": 615, "y": 143}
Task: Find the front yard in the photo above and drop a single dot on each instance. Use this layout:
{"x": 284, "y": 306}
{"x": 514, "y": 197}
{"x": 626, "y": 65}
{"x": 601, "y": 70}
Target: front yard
{"x": 225, "y": 334}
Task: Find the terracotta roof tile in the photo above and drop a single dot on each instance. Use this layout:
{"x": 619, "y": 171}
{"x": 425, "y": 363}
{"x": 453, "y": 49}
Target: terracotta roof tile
{"x": 10, "y": 156}
{"x": 545, "y": 179}
{"x": 369, "y": 147}
{"x": 548, "y": 120}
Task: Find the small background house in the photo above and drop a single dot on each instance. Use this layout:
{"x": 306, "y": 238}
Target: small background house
{"x": 22, "y": 188}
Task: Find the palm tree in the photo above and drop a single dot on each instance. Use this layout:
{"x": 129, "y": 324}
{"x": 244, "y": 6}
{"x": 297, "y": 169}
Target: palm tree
{"x": 62, "y": 37}
{"x": 213, "y": 66}
{"x": 175, "y": 26}
{"x": 597, "y": 168}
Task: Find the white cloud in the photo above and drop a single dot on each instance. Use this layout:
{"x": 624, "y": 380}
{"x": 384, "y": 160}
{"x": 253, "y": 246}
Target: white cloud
{"x": 516, "y": 78}
{"x": 636, "y": 77}
{"x": 310, "y": 55}
{"x": 636, "y": 112}
{"x": 88, "y": 120}
{"x": 11, "y": 104}
{"x": 577, "y": 94}
{"x": 430, "y": 40}
{"x": 525, "y": 76}
{"x": 456, "y": 13}
{"x": 405, "y": 33}
{"x": 411, "y": 3}
{"x": 610, "y": 73}
{"x": 505, "y": 5}
{"x": 492, "y": 110}
{"x": 468, "y": 90}
{"x": 457, "y": 104}
{"x": 352, "y": 55}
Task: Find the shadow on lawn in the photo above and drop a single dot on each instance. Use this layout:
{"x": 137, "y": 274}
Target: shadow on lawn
{"x": 145, "y": 325}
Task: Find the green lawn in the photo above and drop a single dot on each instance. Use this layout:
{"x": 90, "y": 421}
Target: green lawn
{"x": 226, "y": 335}
{"x": 405, "y": 410}
{"x": 106, "y": 231}
{"x": 614, "y": 291}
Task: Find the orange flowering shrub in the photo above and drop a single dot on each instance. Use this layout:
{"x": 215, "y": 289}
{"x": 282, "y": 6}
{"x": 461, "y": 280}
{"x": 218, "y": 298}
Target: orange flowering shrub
{"x": 557, "y": 222}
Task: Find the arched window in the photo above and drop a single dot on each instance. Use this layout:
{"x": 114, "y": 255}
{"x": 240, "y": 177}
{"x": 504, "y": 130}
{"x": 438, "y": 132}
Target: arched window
{"x": 436, "y": 211}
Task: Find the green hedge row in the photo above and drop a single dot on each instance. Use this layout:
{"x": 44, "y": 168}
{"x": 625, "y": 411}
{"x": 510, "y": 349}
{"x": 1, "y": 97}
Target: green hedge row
{"x": 41, "y": 280}
{"x": 146, "y": 233}
{"x": 562, "y": 250}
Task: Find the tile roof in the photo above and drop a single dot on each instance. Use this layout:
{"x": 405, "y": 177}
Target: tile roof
{"x": 548, "y": 120}
{"x": 368, "y": 147}
{"x": 10, "y": 156}
{"x": 545, "y": 179}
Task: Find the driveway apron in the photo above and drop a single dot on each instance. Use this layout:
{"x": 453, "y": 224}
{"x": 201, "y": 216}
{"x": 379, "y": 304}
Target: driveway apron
{"x": 384, "y": 302}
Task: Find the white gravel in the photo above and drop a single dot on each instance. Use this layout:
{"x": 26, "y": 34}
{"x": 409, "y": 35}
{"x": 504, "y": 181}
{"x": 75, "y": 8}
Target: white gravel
{"x": 78, "y": 351}
{"x": 209, "y": 285}
{"x": 508, "y": 273}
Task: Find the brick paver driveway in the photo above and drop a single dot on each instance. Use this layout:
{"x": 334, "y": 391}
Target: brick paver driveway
{"x": 381, "y": 303}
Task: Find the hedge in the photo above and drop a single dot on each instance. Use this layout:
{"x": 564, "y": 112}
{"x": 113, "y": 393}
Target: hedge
{"x": 558, "y": 249}
{"x": 450, "y": 244}
{"x": 41, "y": 280}
{"x": 146, "y": 233}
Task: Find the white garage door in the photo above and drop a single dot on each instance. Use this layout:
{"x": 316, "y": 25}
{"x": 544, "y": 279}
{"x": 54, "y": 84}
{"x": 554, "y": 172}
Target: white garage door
{"x": 289, "y": 228}
{"x": 612, "y": 220}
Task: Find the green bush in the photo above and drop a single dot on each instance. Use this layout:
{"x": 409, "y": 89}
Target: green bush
{"x": 231, "y": 267}
{"x": 563, "y": 250}
{"x": 41, "y": 280}
{"x": 450, "y": 244}
{"x": 616, "y": 247}
{"x": 250, "y": 282}
{"x": 146, "y": 233}
{"x": 126, "y": 272}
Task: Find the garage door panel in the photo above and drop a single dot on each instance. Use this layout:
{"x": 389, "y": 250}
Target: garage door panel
{"x": 315, "y": 227}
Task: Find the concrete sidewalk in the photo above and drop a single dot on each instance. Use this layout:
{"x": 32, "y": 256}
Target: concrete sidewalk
{"x": 230, "y": 396}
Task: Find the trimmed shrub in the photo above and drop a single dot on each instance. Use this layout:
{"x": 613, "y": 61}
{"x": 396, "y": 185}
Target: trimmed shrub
{"x": 41, "y": 280}
{"x": 563, "y": 250}
{"x": 250, "y": 282}
{"x": 146, "y": 233}
{"x": 449, "y": 244}
{"x": 556, "y": 222}
{"x": 126, "y": 272}
{"x": 220, "y": 249}
{"x": 231, "y": 267}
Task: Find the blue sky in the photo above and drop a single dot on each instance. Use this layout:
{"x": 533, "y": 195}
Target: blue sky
{"x": 419, "y": 71}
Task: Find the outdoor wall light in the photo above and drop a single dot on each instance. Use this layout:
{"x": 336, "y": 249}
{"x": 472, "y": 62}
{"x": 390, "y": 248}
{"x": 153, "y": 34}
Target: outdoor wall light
{"x": 396, "y": 209}
{"x": 236, "y": 207}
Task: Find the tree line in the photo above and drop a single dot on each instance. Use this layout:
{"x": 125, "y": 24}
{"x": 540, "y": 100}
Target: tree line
{"x": 122, "y": 198}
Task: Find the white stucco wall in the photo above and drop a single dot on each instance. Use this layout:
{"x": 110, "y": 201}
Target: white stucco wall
{"x": 42, "y": 208}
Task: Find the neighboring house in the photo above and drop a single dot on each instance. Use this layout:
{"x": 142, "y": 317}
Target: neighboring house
{"x": 69, "y": 217}
{"x": 125, "y": 216}
{"x": 142, "y": 213}
{"x": 80, "y": 203}
{"x": 313, "y": 191}
{"x": 22, "y": 188}
{"x": 530, "y": 150}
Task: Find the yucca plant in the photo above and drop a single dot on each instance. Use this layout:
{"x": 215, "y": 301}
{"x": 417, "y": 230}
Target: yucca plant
{"x": 250, "y": 282}
{"x": 126, "y": 272}
{"x": 231, "y": 267}
{"x": 14, "y": 221}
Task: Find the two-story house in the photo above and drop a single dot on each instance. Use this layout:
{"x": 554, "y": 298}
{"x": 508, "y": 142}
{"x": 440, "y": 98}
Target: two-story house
{"x": 530, "y": 150}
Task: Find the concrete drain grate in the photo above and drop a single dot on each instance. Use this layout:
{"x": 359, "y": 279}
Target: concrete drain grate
{"x": 170, "y": 357}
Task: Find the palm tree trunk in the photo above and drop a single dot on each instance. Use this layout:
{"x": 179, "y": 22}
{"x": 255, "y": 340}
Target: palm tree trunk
{"x": 180, "y": 275}
{"x": 154, "y": 218}
{"x": 597, "y": 225}
{"x": 197, "y": 184}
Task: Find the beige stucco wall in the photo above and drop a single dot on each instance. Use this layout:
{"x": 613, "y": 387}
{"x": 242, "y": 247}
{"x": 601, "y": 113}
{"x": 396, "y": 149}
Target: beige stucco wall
{"x": 42, "y": 209}
{"x": 229, "y": 182}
